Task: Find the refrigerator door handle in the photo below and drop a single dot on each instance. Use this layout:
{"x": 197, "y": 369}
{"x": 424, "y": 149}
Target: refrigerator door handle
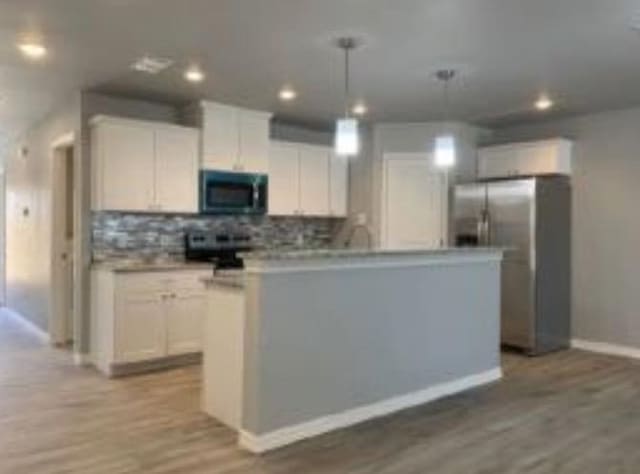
{"x": 484, "y": 229}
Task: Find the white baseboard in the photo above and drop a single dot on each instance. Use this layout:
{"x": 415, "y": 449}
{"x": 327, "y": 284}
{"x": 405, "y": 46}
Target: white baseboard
{"x": 28, "y": 326}
{"x": 81, "y": 359}
{"x": 606, "y": 348}
{"x": 265, "y": 442}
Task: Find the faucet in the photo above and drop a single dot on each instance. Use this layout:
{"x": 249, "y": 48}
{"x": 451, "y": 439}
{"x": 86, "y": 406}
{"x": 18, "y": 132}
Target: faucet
{"x": 352, "y": 234}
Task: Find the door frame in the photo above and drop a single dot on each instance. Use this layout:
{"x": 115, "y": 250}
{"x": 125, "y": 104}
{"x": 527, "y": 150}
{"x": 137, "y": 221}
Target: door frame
{"x": 387, "y": 158}
{"x": 57, "y": 319}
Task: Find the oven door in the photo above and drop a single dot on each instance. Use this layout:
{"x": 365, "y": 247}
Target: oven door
{"x": 233, "y": 193}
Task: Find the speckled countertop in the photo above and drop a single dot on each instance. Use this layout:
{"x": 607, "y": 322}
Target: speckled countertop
{"x": 132, "y": 266}
{"x": 365, "y": 253}
{"x": 225, "y": 278}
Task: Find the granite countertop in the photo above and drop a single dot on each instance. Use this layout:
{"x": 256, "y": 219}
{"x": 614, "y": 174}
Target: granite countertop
{"x": 365, "y": 253}
{"x": 131, "y": 266}
{"x": 225, "y": 278}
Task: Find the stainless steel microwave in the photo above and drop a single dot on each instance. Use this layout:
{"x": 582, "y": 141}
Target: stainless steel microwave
{"x": 222, "y": 192}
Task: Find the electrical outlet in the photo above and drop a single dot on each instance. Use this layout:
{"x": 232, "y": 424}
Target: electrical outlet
{"x": 300, "y": 239}
{"x": 165, "y": 240}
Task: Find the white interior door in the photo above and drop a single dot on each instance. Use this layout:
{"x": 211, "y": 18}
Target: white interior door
{"x": 415, "y": 203}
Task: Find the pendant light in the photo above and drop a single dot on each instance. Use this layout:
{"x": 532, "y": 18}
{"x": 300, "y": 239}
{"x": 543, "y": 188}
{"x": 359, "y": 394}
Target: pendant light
{"x": 347, "y": 136}
{"x": 445, "y": 144}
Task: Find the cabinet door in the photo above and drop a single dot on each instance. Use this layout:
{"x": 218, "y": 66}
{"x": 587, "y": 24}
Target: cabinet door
{"x": 185, "y": 313}
{"x": 547, "y": 157}
{"x": 284, "y": 179}
{"x": 497, "y": 162}
{"x": 140, "y": 328}
{"x": 254, "y": 142}
{"x": 176, "y": 170}
{"x": 220, "y": 137}
{"x": 314, "y": 180}
{"x": 125, "y": 167}
{"x": 338, "y": 186}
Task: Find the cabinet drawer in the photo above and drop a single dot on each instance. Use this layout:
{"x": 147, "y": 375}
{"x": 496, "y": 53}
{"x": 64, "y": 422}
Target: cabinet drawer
{"x": 145, "y": 282}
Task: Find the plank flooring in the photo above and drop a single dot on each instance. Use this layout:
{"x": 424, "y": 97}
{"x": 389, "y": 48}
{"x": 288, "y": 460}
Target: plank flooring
{"x": 572, "y": 412}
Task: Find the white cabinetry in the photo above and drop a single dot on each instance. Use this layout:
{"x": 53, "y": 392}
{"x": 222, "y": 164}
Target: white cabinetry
{"x": 526, "y": 159}
{"x": 314, "y": 180}
{"x": 306, "y": 180}
{"x": 338, "y": 186}
{"x": 233, "y": 139}
{"x": 284, "y": 179}
{"x": 137, "y": 317}
{"x": 142, "y": 166}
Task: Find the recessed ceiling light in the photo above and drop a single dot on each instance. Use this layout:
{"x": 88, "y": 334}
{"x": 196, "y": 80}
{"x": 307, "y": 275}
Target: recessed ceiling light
{"x": 151, "y": 65}
{"x": 360, "y": 109}
{"x": 287, "y": 94}
{"x": 33, "y": 50}
{"x": 544, "y": 103}
{"x": 194, "y": 74}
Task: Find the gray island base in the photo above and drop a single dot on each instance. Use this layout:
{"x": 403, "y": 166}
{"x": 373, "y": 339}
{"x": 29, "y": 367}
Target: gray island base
{"x": 319, "y": 340}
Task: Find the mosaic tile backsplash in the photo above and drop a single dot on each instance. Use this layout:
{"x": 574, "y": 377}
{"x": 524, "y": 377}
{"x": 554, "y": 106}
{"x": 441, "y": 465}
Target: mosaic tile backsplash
{"x": 118, "y": 235}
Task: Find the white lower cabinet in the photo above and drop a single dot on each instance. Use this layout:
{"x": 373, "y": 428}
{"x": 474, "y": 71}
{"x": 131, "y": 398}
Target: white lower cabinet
{"x": 145, "y": 316}
{"x": 140, "y": 332}
{"x": 184, "y": 322}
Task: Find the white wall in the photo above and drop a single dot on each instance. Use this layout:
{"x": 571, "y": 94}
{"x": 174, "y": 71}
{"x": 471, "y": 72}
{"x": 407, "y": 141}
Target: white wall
{"x": 606, "y": 227}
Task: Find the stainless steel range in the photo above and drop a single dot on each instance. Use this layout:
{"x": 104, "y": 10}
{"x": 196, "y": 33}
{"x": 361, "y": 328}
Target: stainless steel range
{"x": 221, "y": 249}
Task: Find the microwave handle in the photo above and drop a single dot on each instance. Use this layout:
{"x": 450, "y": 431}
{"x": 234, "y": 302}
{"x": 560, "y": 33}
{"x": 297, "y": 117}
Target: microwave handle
{"x": 256, "y": 196}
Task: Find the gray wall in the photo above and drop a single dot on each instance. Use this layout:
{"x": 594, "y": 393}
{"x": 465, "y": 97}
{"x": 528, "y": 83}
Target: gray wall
{"x": 322, "y": 342}
{"x": 606, "y": 230}
{"x": 407, "y": 138}
{"x": 29, "y": 213}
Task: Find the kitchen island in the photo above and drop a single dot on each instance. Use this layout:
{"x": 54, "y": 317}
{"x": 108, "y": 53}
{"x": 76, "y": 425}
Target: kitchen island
{"x": 302, "y": 343}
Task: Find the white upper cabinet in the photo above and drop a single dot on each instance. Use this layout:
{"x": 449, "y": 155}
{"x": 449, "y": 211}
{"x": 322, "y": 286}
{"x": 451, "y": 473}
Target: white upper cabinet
{"x": 220, "y": 136}
{"x": 284, "y": 179}
{"x": 233, "y": 139}
{"x": 526, "y": 159}
{"x": 306, "y": 180}
{"x": 314, "y": 180}
{"x": 338, "y": 186}
{"x": 177, "y": 169}
{"x": 141, "y": 166}
{"x": 254, "y": 142}
{"x": 123, "y": 166}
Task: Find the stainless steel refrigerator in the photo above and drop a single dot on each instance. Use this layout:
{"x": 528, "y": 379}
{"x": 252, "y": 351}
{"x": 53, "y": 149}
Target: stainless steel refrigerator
{"x": 531, "y": 219}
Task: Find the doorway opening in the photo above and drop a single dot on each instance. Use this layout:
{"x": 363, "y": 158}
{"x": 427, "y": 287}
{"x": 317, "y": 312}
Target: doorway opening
{"x": 61, "y": 327}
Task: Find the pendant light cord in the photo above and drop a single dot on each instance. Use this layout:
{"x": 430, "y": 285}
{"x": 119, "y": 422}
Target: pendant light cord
{"x": 347, "y": 93}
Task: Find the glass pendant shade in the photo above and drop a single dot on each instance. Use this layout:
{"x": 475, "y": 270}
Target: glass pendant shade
{"x": 445, "y": 151}
{"x": 347, "y": 138}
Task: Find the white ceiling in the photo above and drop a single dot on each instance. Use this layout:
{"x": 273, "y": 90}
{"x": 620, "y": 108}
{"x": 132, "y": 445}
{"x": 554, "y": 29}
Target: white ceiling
{"x": 583, "y": 52}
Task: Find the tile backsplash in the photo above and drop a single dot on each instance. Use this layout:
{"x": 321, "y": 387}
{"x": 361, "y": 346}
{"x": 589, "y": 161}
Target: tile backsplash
{"x": 117, "y": 235}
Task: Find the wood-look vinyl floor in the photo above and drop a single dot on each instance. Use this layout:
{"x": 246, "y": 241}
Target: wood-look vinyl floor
{"x": 571, "y": 412}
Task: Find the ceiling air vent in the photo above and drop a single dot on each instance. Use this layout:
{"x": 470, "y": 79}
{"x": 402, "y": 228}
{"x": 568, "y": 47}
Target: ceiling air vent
{"x": 151, "y": 65}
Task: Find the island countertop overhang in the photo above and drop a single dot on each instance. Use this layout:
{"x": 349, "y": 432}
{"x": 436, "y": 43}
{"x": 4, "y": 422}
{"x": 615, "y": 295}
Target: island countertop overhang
{"x": 301, "y": 260}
